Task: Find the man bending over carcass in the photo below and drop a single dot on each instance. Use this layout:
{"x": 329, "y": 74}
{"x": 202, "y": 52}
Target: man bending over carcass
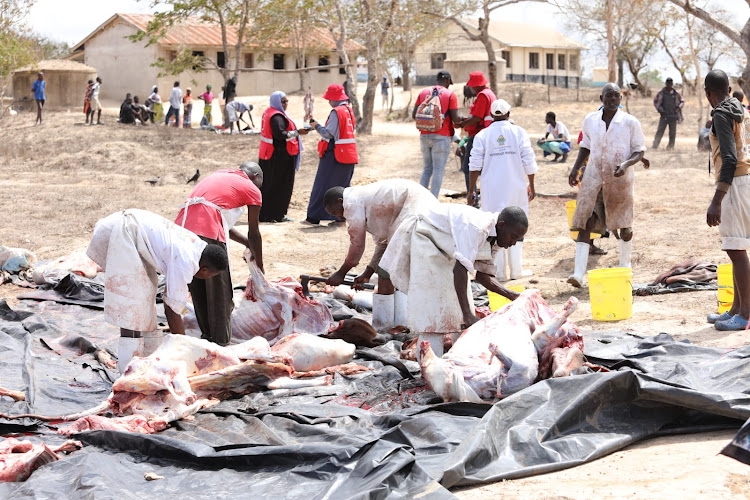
{"x": 430, "y": 256}
{"x": 132, "y": 247}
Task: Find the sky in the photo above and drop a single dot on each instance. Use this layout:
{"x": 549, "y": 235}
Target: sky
{"x": 72, "y": 20}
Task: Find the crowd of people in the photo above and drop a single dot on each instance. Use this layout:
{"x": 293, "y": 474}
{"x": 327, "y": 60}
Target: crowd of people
{"x": 424, "y": 248}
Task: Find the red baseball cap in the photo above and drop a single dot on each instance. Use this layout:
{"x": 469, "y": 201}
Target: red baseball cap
{"x": 335, "y": 92}
{"x": 476, "y": 79}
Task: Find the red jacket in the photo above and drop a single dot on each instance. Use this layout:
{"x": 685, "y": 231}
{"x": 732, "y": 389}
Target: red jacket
{"x": 266, "y": 136}
{"x": 345, "y": 149}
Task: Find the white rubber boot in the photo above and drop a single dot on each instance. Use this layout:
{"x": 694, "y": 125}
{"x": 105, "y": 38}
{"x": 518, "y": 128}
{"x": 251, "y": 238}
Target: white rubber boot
{"x": 626, "y": 249}
{"x": 383, "y": 311}
{"x": 500, "y": 265}
{"x": 515, "y": 254}
{"x": 151, "y": 342}
{"x": 582, "y": 260}
{"x": 125, "y": 352}
{"x": 400, "y": 309}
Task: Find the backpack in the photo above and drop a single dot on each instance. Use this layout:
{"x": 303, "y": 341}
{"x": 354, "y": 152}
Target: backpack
{"x": 429, "y": 117}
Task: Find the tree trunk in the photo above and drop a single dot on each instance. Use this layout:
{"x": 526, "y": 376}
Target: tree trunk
{"x": 610, "y": 42}
{"x": 697, "y": 70}
{"x": 620, "y": 72}
{"x": 351, "y": 70}
{"x": 491, "y": 62}
{"x": 364, "y": 126}
{"x": 405, "y": 63}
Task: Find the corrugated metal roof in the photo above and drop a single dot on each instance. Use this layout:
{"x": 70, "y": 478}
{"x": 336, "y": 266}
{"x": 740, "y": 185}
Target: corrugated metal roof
{"x": 195, "y": 31}
{"x": 512, "y": 34}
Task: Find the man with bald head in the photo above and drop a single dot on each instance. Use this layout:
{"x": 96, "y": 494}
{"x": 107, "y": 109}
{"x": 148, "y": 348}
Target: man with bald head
{"x": 612, "y": 142}
{"x": 730, "y": 206}
{"x": 211, "y": 211}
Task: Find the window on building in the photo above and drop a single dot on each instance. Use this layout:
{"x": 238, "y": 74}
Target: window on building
{"x": 249, "y": 61}
{"x": 342, "y": 69}
{"x": 533, "y": 60}
{"x": 506, "y": 55}
{"x": 437, "y": 59}
{"x": 198, "y": 53}
{"x": 171, "y": 55}
{"x": 550, "y": 61}
{"x": 324, "y": 61}
{"x": 574, "y": 63}
{"x": 279, "y": 61}
{"x": 560, "y": 61}
{"x": 221, "y": 60}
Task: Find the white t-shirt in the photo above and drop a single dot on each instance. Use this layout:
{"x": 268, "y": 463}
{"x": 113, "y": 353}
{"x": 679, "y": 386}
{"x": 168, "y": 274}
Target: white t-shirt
{"x": 95, "y": 90}
{"x": 558, "y": 129}
{"x": 175, "y": 98}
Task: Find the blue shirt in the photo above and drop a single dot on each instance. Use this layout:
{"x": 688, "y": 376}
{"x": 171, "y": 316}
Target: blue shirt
{"x": 38, "y": 89}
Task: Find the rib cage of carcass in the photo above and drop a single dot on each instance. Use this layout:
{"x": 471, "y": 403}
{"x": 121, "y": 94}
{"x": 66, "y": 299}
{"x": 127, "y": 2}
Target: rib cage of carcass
{"x": 507, "y": 351}
{"x": 275, "y": 309}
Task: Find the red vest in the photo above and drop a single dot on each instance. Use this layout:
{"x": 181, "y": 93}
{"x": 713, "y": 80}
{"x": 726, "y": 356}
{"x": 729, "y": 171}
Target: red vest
{"x": 345, "y": 149}
{"x": 266, "y": 136}
{"x": 491, "y": 98}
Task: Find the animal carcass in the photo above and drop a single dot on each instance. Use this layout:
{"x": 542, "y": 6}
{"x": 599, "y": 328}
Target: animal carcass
{"x": 504, "y": 352}
{"x": 186, "y": 374}
{"x": 18, "y": 459}
{"x": 275, "y": 309}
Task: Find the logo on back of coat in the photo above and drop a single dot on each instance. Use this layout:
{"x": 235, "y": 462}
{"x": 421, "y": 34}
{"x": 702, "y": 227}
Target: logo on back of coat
{"x": 501, "y": 140}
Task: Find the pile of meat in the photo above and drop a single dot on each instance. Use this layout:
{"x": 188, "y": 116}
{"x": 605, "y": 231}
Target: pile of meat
{"x": 275, "y": 309}
{"x": 18, "y": 459}
{"x": 507, "y": 351}
{"x": 186, "y": 374}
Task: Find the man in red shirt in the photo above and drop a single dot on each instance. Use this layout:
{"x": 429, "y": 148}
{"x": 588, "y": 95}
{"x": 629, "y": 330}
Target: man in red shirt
{"x": 212, "y": 209}
{"x": 436, "y": 146}
{"x": 479, "y": 115}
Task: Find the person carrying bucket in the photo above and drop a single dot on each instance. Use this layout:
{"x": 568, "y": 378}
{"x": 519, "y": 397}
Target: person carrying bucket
{"x": 730, "y": 206}
{"x": 612, "y": 141}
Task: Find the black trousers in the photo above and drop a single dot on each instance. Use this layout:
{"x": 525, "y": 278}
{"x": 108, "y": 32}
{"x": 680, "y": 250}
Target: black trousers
{"x": 212, "y": 300}
{"x": 663, "y": 122}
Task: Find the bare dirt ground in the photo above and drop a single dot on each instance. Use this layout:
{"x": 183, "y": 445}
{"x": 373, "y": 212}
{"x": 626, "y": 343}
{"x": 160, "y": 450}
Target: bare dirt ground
{"x": 60, "y": 178}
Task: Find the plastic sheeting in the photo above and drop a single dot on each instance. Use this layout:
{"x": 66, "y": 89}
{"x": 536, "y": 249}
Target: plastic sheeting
{"x": 378, "y": 435}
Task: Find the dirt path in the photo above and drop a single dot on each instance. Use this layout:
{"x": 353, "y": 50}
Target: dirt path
{"x": 59, "y": 179}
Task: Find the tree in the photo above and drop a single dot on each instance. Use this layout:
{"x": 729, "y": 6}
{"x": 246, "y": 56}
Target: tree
{"x": 17, "y": 46}
{"x": 243, "y": 19}
{"x": 485, "y": 10}
{"x": 741, "y": 38}
{"x": 374, "y": 19}
{"x": 410, "y": 26}
{"x": 339, "y": 32}
{"x": 633, "y": 38}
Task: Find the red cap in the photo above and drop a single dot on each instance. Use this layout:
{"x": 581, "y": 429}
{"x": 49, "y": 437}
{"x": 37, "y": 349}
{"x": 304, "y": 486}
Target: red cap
{"x": 476, "y": 79}
{"x": 335, "y": 92}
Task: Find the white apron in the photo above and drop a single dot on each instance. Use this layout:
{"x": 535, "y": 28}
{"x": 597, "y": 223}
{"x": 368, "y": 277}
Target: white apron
{"x": 229, "y": 216}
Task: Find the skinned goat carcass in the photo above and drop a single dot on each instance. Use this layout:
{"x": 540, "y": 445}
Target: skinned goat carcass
{"x": 186, "y": 374}
{"x": 18, "y": 459}
{"x": 504, "y": 352}
{"x": 275, "y": 309}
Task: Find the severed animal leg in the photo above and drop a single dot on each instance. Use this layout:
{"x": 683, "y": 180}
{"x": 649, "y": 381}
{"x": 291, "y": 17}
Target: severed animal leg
{"x": 544, "y": 333}
{"x": 16, "y": 395}
{"x": 444, "y": 379}
{"x": 75, "y": 416}
{"x": 567, "y": 361}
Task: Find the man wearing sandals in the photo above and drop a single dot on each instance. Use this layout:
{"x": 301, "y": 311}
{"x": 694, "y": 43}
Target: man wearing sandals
{"x": 730, "y": 206}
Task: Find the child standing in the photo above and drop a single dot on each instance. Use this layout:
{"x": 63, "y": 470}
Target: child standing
{"x": 187, "y": 102}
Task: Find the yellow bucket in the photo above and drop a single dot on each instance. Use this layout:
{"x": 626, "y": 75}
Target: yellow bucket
{"x": 726, "y": 287}
{"x": 570, "y": 208}
{"x": 497, "y": 301}
{"x": 611, "y": 293}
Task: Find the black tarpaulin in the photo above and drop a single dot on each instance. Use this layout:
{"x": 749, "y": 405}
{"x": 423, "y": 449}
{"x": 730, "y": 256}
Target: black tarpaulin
{"x": 383, "y": 434}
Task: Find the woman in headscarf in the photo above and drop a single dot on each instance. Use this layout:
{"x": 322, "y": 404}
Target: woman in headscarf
{"x": 337, "y": 150}
{"x": 280, "y": 147}
{"x": 156, "y": 107}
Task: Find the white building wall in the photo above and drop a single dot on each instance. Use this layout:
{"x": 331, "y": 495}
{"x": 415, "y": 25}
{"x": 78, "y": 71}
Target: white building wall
{"x": 122, "y": 64}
